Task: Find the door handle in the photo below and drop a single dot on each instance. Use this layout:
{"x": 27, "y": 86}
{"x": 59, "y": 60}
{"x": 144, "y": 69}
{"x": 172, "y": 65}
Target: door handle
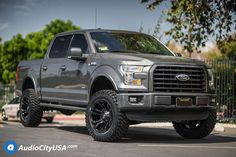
{"x": 63, "y": 68}
{"x": 45, "y": 67}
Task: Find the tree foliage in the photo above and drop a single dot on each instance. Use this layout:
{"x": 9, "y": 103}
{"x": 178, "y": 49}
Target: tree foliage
{"x": 194, "y": 21}
{"x": 156, "y": 33}
{"x": 38, "y": 42}
{"x": 228, "y": 48}
{"x": 13, "y": 52}
{"x": 1, "y": 50}
{"x": 33, "y": 46}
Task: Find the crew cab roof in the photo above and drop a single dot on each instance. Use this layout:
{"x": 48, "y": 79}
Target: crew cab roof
{"x": 93, "y": 30}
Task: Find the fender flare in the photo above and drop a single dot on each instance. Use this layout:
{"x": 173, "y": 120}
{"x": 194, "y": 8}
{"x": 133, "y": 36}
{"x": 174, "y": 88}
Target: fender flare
{"x": 32, "y": 77}
{"x": 105, "y": 71}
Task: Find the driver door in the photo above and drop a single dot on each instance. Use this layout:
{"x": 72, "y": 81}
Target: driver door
{"x": 74, "y": 77}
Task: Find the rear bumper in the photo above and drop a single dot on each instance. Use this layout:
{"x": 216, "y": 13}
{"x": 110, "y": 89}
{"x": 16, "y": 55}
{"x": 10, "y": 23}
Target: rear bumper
{"x": 162, "y": 106}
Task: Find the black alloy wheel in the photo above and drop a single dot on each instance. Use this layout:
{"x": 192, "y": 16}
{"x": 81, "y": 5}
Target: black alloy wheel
{"x": 24, "y": 109}
{"x": 101, "y": 115}
{"x": 104, "y": 120}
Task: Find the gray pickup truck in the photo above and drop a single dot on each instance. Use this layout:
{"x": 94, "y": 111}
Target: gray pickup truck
{"x": 118, "y": 78}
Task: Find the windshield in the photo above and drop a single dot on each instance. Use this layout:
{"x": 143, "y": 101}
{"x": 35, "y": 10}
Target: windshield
{"x": 128, "y": 43}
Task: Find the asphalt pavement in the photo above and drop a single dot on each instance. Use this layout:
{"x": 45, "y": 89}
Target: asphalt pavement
{"x": 141, "y": 141}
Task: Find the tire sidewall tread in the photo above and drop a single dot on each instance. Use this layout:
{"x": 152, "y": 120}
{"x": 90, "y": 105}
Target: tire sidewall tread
{"x": 120, "y": 122}
{"x": 204, "y": 129}
{"x": 35, "y": 110}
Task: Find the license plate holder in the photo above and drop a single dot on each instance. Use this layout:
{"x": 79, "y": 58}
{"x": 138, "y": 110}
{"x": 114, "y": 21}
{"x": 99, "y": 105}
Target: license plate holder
{"x": 184, "y": 101}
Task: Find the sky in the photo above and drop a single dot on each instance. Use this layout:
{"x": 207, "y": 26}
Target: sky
{"x": 24, "y": 16}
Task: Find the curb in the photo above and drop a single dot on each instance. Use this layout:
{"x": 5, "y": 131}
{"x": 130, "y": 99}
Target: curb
{"x": 64, "y": 117}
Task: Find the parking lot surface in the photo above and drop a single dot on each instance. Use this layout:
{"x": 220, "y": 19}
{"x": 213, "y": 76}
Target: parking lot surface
{"x": 141, "y": 141}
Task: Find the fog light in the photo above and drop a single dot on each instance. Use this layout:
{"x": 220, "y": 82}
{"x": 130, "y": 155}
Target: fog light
{"x": 135, "y": 99}
{"x": 213, "y": 100}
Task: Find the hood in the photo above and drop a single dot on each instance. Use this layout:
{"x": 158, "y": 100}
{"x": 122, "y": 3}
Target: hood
{"x": 149, "y": 59}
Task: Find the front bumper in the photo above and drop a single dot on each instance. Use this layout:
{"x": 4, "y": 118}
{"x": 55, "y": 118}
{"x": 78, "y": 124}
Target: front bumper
{"x": 162, "y": 106}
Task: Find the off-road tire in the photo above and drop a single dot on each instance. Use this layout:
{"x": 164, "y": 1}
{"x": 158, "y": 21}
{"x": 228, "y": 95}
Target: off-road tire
{"x": 119, "y": 124}
{"x": 201, "y": 130}
{"x": 35, "y": 111}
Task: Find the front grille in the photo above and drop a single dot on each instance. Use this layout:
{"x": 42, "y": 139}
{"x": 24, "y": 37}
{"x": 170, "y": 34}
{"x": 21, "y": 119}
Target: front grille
{"x": 164, "y": 79}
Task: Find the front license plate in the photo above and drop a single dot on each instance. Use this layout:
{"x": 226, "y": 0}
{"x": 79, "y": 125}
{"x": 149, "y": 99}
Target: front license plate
{"x": 184, "y": 101}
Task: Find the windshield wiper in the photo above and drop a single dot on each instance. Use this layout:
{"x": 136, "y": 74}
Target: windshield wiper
{"x": 154, "y": 52}
{"x": 160, "y": 53}
{"x": 124, "y": 51}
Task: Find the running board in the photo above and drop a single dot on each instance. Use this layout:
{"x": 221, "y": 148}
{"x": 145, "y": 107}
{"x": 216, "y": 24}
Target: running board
{"x": 59, "y": 106}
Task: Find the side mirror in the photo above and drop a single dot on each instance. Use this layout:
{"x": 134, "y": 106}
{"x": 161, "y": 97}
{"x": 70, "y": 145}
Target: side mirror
{"x": 76, "y": 53}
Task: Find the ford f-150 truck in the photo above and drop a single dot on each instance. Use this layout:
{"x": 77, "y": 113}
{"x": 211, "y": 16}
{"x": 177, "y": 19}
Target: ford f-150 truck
{"x": 118, "y": 78}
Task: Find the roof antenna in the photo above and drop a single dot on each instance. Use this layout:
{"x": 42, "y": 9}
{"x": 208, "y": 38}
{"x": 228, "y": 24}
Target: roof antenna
{"x": 95, "y": 18}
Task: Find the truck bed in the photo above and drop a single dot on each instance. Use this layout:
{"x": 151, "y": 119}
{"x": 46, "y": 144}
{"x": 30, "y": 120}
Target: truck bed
{"x": 28, "y": 68}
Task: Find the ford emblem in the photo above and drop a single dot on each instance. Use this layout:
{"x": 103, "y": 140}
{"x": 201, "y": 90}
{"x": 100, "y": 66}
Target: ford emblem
{"x": 182, "y": 77}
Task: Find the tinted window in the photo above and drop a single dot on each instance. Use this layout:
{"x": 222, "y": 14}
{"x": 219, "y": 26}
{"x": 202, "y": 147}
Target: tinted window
{"x": 15, "y": 101}
{"x": 128, "y": 42}
{"x": 80, "y": 41}
{"x": 12, "y": 101}
{"x": 60, "y": 47}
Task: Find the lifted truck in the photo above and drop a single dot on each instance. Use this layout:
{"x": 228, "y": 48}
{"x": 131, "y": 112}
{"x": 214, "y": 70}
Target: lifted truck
{"x": 118, "y": 78}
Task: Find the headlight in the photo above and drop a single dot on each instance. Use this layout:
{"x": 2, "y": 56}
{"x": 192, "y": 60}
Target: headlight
{"x": 128, "y": 73}
{"x": 127, "y": 68}
{"x": 211, "y": 78}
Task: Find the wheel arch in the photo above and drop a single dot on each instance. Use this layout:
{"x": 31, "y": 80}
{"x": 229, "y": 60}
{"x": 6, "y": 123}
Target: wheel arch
{"x": 107, "y": 73}
{"x": 29, "y": 82}
{"x": 102, "y": 82}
